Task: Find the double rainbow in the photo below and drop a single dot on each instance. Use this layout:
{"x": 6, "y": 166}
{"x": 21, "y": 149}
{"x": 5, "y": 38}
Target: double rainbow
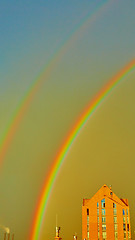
{"x": 50, "y": 180}
{"x": 23, "y": 106}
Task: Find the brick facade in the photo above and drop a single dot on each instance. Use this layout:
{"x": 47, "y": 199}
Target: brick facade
{"x": 105, "y": 216}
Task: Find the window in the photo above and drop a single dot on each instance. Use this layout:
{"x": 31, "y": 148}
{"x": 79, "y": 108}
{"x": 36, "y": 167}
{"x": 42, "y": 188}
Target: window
{"x": 127, "y": 219}
{"x": 116, "y": 235}
{"x": 111, "y": 193}
{"x": 123, "y": 212}
{"x": 98, "y": 235}
{"x": 103, "y": 212}
{"x": 115, "y": 227}
{"x": 103, "y": 203}
{"x": 88, "y": 226}
{"x": 103, "y": 219}
{"x": 87, "y": 211}
{"x": 97, "y": 204}
{"x": 104, "y": 235}
{"x": 114, "y": 205}
{"x": 124, "y": 226}
{"x": 124, "y": 235}
{"x": 88, "y": 235}
{"x": 127, "y": 212}
{"x": 124, "y": 219}
{"x": 103, "y": 227}
{"x": 114, "y": 211}
{"x": 97, "y": 211}
{"x": 127, "y": 227}
{"x": 115, "y": 219}
{"x": 98, "y": 219}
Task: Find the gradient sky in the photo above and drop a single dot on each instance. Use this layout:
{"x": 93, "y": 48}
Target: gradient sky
{"x": 31, "y": 32}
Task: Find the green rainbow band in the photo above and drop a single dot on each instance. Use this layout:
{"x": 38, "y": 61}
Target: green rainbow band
{"x": 49, "y": 182}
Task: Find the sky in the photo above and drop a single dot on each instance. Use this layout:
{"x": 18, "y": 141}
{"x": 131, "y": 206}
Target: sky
{"x": 90, "y": 42}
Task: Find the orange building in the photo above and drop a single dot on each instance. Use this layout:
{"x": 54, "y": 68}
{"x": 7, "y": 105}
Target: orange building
{"x": 105, "y": 216}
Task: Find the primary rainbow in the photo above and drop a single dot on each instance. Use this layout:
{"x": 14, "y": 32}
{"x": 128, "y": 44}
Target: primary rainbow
{"x": 49, "y": 182}
{"x": 15, "y": 120}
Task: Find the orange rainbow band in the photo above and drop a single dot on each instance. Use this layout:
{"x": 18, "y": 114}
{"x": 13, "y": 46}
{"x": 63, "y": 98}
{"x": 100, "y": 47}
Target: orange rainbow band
{"x": 49, "y": 182}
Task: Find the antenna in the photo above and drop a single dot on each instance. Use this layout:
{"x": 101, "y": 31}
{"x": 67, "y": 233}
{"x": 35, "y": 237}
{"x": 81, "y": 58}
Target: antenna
{"x": 56, "y": 219}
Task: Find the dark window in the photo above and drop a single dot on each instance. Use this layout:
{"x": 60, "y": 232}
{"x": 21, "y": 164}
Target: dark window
{"x": 124, "y": 226}
{"x": 127, "y": 227}
{"x": 87, "y": 211}
{"x": 123, "y": 212}
{"x": 114, "y": 205}
{"x": 103, "y": 203}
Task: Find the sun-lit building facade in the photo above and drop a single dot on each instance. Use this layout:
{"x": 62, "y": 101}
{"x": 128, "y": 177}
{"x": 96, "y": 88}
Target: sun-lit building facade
{"x": 105, "y": 216}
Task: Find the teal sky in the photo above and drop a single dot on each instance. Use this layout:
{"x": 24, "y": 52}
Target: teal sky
{"x": 31, "y": 33}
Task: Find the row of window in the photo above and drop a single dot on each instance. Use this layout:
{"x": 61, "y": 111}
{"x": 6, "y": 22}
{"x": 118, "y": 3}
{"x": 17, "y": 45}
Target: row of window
{"x": 124, "y": 219}
{"x": 115, "y": 226}
{"x": 102, "y": 211}
{"x": 115, "y": 221}
{"x": 126, "y": 212}
{"x": 125, "y": 235}
{"x": 114, "y": 213}
{"x": 102, "y": 203}
{"x": 115, "y": 235}
{"x": 124, "y": 227}
{"x": 98, "y": 227}
{"x": 114, "y": 206}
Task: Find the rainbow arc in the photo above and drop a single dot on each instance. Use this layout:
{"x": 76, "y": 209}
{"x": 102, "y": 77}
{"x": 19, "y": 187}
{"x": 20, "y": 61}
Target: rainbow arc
{"x": 65, "y": 148}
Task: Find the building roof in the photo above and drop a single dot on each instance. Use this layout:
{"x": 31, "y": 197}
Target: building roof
{"x": 106, "y": 192}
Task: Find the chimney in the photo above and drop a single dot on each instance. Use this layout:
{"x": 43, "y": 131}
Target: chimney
{"x": 5, "y": 236}
{"x": 57, "y": 231}
{"x": 75, "y": 237}
{"x": 8, "y": 236}
{"x": 57, "y": 237}
{"x": 110, "y": 187}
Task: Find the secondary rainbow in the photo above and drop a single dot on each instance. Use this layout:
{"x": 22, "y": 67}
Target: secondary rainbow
{"x": 49, "y": 182}
{"x": 15, "y": 120}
